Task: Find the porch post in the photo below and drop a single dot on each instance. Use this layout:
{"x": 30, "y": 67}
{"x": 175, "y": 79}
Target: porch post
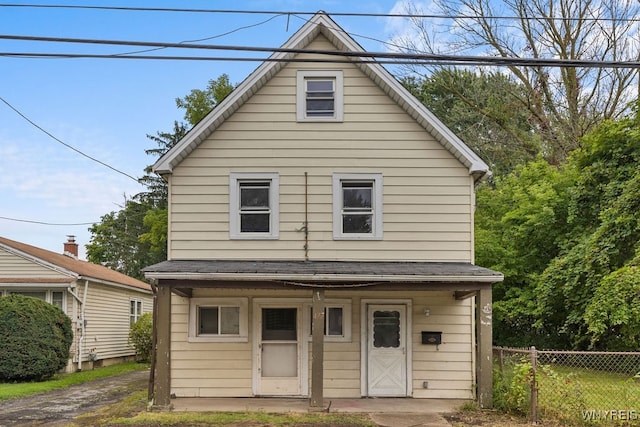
{"x": 163, "y": 329}
{"x": 317, "y": 350}
{"x": 484, "y": 364}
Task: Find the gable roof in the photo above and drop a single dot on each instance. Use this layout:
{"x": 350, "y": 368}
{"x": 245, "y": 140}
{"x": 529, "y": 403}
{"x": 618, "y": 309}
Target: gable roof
{"x": 322, "y": 24}
{"x": 76, "y": 269}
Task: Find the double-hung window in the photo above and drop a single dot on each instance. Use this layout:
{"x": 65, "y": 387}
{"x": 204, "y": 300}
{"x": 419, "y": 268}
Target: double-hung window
{"x": 253, "y": 205}
{"x": 357, "y": 206}
{"x": 218, "y": 319}
{"x": 319, "y": 96}
{"x": 135, "y": 310}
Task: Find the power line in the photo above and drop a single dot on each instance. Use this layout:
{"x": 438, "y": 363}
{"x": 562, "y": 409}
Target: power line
{"x": 279, "y": 12}
{"x": 64, "y": 143}
{"x": 46, "y": 223}
{"x": 353, "y": 57}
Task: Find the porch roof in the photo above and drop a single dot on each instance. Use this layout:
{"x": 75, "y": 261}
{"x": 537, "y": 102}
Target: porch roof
{"x": 324, "y": 272}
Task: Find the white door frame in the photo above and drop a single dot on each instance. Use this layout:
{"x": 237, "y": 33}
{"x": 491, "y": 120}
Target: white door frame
{"x": 364, "y": 336}
{"x": 303, "y": 345}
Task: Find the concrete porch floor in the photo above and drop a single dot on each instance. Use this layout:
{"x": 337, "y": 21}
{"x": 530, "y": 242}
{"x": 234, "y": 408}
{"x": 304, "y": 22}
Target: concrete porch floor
{"x": 396, "y": 412}
{"x": 272, "y": 404}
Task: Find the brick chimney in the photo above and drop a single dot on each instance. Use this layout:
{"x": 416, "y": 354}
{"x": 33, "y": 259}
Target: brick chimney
{"x": 71, "y": 247}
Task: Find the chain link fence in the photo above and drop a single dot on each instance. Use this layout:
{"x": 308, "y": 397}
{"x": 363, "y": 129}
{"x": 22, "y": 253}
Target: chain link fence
{"x": 579, "y": 387}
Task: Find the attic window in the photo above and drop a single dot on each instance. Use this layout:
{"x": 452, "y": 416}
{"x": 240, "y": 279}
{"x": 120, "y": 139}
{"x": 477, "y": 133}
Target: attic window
{"x": 319, "y": 96}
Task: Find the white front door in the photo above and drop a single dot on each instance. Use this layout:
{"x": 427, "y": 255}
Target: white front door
{"x": 387, "y": 350}
{"x": 279, "y": 367}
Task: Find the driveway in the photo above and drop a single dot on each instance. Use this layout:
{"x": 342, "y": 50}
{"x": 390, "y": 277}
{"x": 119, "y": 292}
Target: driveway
{"x": 58, "y": 407}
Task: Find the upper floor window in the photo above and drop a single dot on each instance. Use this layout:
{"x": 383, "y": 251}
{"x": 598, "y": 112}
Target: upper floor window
{"x": 319, "y": 96}
{"x": 253, "y": 205}
{"x": 357, "y": 206}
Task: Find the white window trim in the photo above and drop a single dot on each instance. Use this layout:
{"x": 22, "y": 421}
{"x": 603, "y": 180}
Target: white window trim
{"x": 241, "y": 303}
{"x": 376, "y": 203}
{"x": 301, "y": 111}
{"x": 345, "y": 304}
{"x": 234, "y": 212}
{"x": 136, "y": 315}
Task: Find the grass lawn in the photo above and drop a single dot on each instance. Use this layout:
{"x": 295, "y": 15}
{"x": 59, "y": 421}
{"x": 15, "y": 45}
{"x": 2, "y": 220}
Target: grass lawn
{"x": 14, "y": 390}
{"x": 132, "y": 412}
{"x": 567, "y": 392}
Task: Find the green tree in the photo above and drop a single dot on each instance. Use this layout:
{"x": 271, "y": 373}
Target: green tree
{"x": 521, "y": 223}
{"x": 563, "y": 103}
{"x": 480, "y": 109}
{"x": 135, "y": 236}
{"x": 198, "y": 103}
{"x": 604, "y": 240}
{"x": 116, "y": 241}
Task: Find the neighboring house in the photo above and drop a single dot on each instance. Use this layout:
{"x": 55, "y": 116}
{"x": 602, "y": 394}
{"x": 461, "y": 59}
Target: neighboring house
{"x": 321, "y": 189}
{"x": 101, "y": 302}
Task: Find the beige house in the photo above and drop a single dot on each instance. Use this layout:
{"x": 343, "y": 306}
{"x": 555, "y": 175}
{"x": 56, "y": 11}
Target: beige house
{"x": 101, "y": 302}
{"x": 321, "y": 240}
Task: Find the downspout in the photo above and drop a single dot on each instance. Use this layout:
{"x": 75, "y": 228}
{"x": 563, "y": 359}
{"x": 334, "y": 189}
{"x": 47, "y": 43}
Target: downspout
{"x": 154, "y": 338}
{"x": 83, "y": 323}
{"x": 81, "y": 320}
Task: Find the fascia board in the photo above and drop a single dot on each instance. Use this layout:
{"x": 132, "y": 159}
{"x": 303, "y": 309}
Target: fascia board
{"x": 234, "y": 277}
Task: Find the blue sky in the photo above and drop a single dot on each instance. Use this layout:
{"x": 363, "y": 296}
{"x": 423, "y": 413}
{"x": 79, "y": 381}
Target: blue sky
{"x": 106, "y": 107}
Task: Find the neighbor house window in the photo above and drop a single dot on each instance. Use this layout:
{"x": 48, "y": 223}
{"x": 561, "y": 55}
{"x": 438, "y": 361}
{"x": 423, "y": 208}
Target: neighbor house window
{"x": 253, "y": 205}
{"x": 337, "y": 320}
{"x": 52, "y": 297}
{"x": 319, "y": 96}
{"x": 357, "y": 206}
{"x": 135, "y": 310}
{"x": 218, "y": 319}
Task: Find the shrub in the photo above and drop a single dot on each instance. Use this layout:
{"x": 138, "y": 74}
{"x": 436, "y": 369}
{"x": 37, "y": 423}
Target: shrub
{"x": 512, "y": 388}
{"x": 36, "y": 337}
{"x": 140, "y": 337}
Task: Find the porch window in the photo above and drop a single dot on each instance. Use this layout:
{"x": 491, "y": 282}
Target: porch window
{"x": 357, "y": 206}
{"x": 218, "y": 319}
{"x": 337, "y": 321}
{"x": 253, "y": 205}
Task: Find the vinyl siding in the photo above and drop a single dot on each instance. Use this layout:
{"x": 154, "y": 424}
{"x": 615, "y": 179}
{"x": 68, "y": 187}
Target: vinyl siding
{"x": 427, "y": 193}
{"x": 107, "y": 316}
{"x": 14, "y": 266}
{"x": 224, "y": 369}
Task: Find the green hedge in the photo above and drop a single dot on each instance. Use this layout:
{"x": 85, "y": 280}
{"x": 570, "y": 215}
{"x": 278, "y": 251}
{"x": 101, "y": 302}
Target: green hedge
{"x": 36, "y": 337}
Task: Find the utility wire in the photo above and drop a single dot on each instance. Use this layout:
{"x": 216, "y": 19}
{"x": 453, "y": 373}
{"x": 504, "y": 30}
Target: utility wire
{"x": 353, "y": 57}
{"x": 279, "y": 12}
{"x": 64, "y": 143}
{"x": 46, "y": 223}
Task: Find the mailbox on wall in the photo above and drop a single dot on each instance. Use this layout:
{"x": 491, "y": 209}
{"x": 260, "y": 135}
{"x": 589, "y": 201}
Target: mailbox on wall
{"x": 430, "y": 337}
